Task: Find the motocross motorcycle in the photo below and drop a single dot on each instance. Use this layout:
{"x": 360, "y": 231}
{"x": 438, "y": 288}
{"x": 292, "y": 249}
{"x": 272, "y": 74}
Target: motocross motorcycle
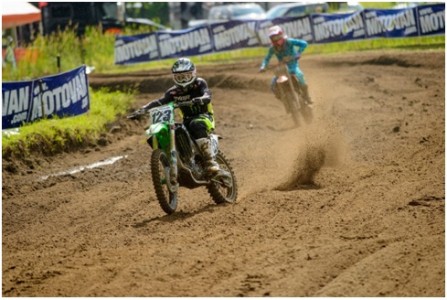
{"x": 177, "y": 161}
{"x": 291, "y": 94}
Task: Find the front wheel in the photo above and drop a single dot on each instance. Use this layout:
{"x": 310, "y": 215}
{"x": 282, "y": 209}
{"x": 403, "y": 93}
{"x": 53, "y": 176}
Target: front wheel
{"x": 160, "y": 169}
{"x": 293, "y": 107}
{"x": 307, "y": 112}
{"x": 296, "y": 116}
{"x": 223, "y": 190}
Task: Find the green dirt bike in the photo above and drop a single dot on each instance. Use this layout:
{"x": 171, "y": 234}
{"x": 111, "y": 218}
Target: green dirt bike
{"x": 177, "y": 160}
{"x": 291, "y": 95}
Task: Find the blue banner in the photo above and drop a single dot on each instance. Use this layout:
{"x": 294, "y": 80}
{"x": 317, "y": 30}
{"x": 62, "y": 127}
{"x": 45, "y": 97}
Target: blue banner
{"x": 189, "y": 42}
{"x": 338, "y": 27}
{"x": 137, "y": 48}
{"x": 297, "y": 28}
{"x": 234, "y": 35}
{"x": 391, "y": 22}
{"x": 64, "y": 94}
{"x": 314, "y": 28}
{"x": 431, "y": 19}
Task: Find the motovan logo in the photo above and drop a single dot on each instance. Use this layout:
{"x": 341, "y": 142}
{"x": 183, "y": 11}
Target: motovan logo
{"x": 377, "y": 24}
{"x": 146, "y": 46}
{"x": 171, "y": 45}
{"x": 28, "y": 101}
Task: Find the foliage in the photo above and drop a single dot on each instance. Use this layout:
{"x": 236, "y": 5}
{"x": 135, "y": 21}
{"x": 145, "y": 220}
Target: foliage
{"x": 155, "y": 11}
{"x": 53, "y": 134}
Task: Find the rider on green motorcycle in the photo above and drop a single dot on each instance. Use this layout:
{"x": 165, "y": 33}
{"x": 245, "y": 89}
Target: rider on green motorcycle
{"x": 285, "y": 50}
{"x": 198, "y": 117}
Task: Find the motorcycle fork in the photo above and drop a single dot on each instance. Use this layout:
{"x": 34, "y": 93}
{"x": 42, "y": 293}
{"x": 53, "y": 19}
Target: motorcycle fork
{"x": 293, "y": 90}
{"x": 173, "y": 154}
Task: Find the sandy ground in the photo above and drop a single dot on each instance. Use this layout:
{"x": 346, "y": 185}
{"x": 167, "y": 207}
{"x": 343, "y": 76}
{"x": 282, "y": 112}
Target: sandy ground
{"x": 352, "y": 205}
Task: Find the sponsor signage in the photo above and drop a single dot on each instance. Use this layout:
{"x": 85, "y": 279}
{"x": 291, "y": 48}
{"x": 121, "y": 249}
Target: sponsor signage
{"x": 189, "y": 42}
{"x": 431, "y": 19}
{"x": 338, "y": 27}
{"x": 64, "y": 94}
{"x": 314, "y": 28}
{"x": 391, "y": 23}
{"x": 234, "y": 35}
{"x": 137, "y": 48}
{"x": 298, "y": 28}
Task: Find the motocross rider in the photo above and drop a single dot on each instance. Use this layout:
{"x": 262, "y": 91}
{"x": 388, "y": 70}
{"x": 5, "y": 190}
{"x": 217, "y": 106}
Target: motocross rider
{"x": 198, "y": 118}
{"x": 285, "y": 50}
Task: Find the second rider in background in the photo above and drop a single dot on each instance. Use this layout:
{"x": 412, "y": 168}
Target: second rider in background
{"x": 287, "y": 50}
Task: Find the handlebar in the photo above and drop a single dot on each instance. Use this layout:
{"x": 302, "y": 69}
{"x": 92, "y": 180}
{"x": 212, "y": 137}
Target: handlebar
{"x": 138, "y": 113}
{"x": 283, "y": 62}
{"x": 183, "y": 103}
{"x": 288, "y": 59}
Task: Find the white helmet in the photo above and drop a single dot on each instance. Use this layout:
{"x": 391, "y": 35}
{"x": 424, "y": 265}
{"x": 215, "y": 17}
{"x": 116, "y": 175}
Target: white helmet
{"x": 277, "y": 35}
{"x": 184, "y": 72}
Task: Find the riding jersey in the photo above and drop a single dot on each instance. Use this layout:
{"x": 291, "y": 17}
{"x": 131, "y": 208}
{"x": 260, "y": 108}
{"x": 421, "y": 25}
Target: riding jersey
{"x": 199, "y": 88}
{"x": 288, "y": 50}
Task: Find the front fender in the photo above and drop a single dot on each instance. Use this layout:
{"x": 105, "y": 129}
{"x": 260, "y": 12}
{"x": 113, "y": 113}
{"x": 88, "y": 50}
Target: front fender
{"x": 155, "y": 129}
{"x": 158, "y": 136}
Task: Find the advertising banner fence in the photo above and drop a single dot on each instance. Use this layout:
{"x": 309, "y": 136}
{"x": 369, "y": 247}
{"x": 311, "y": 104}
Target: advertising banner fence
{"x": 391, "y": 23}
{"x": 338, "y": 27}
{"x": 234, "y": 35}
{"x": 188, "y": 42}
{"x": 299, "y": 28}
{"x": 315, "y": 28}
{"x": 63, "y": 95}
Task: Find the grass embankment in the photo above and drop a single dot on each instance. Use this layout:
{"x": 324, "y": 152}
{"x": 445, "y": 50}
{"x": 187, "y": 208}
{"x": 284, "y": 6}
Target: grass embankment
{"x": 97, "y": 50}
{"x": 49, "y": 136}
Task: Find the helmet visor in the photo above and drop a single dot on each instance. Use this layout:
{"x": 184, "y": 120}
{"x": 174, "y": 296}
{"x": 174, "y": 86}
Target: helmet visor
{"x": 183, "y": 77}
{"x": 277, "y": 39}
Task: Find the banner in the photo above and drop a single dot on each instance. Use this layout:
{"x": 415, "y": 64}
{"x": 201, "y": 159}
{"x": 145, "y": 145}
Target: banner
{"x": 64, "y": 94}
{"x": 189, "y": 42}
{"x": 391, "y": 23}
{"x": 234, "y": 35}
{"x": 431, "y": 19}
{"x": 338, "y": 27}
{"x": 137, "y": 48}
{"x": 297, "y": 28}
{"x": 314, "y": 28}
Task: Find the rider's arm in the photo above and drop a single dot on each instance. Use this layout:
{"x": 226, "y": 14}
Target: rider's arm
{"x": 204, "y": 90}
{"x": 267, "y": 58}
{"x": 301, "y": 44}
{"x": 158, "y": 102}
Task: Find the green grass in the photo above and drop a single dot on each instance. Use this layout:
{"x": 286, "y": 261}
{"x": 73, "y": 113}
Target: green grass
{"x": 57, "y": 134}
{"x": 378, "y": 5}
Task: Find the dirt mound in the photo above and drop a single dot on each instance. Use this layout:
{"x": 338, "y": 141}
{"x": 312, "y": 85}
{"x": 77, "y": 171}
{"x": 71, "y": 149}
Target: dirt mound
{"x": 351, "y": 205}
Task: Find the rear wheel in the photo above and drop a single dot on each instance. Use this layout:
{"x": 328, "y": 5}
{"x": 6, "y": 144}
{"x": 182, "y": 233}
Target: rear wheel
{"x": 223, "y": 189}
{"x": 160, "y": 169}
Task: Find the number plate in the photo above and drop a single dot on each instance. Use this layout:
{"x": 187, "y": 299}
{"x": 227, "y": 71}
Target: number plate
{"x": 161, "y": 114}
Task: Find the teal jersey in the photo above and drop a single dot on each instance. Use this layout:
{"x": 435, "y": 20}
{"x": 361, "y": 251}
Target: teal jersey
{"x": 291, "y": 48}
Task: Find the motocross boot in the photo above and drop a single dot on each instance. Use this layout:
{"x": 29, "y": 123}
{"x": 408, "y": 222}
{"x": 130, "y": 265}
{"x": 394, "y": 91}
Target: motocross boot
{"x": 210, "y": 164}
{"x": 307, "y": 99}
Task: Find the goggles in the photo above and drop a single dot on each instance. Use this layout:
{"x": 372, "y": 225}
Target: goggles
{"x": 183, "y": 77}
{"x": 276, "y": 38}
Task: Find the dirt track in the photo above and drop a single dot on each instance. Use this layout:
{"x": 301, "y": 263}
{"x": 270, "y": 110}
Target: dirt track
{"x": 371, "y": 223}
